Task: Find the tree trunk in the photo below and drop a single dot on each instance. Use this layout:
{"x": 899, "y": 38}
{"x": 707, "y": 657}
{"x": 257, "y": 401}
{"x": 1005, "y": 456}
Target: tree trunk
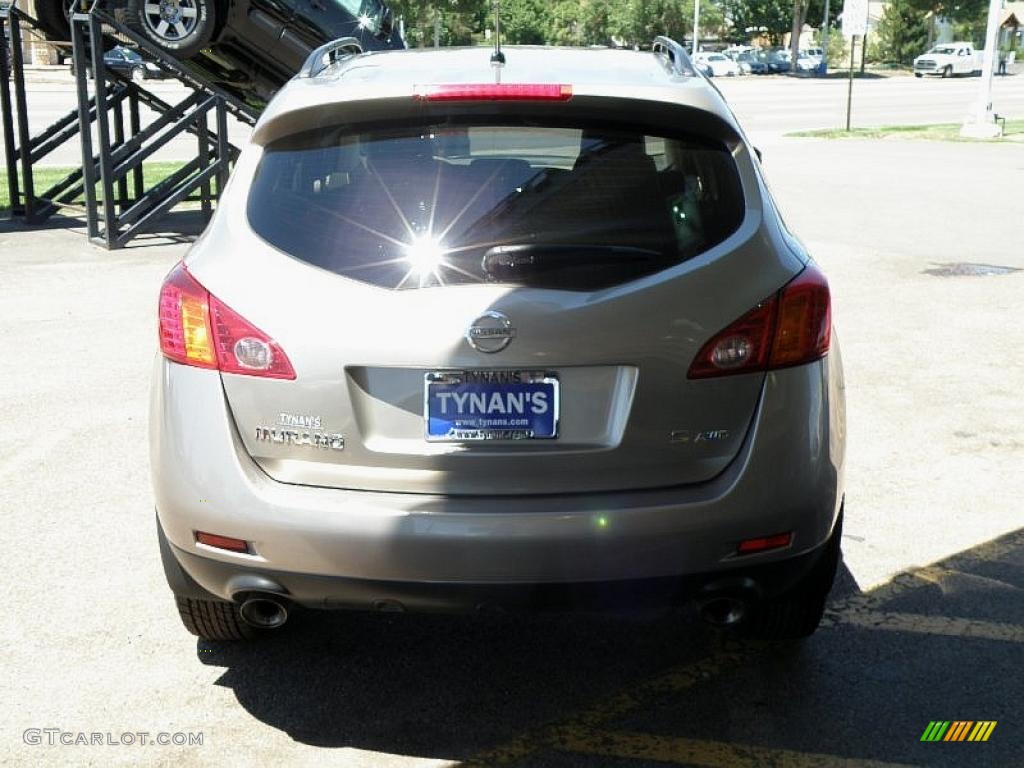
{"x": 799, "y": 16}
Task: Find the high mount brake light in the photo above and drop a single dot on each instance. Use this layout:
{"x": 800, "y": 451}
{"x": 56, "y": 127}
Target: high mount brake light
{"x": 198, "y": 329}
{"x": 493, "y": 92}
{"x": 792, "y": 327}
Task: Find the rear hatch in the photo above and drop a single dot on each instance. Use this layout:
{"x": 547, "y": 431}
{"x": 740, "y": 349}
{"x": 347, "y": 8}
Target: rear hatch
{"x": 496, "y": 302}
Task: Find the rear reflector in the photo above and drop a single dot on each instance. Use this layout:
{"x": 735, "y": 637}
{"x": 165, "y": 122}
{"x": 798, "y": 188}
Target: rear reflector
{"x": 222, "y": 542}
{"x": 750, "y": 546}
{"x": 197, "y": 328}
{"x": 792, "y": 327}
{"x": 493, "y": 92}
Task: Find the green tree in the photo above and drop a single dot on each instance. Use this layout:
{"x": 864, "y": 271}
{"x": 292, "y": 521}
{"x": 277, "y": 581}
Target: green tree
{"x": 772, "y": 18}
{"x": 902, "y": 32}
{"x": 579, "y": 22}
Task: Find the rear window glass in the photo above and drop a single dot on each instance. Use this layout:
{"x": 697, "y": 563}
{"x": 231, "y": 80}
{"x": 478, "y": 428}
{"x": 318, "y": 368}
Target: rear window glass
{"x": 566, "y": 207}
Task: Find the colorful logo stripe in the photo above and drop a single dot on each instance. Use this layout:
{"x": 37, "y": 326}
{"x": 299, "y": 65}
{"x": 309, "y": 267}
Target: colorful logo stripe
{"x": 958, "y": 730}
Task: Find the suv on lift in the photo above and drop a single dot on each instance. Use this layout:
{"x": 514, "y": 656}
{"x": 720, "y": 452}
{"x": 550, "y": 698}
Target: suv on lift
{"x": 523, "y": 335}
{"x": 248, "y": 47}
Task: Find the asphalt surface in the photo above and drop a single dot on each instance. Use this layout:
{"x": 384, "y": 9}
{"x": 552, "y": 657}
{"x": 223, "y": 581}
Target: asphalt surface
{"x": 926, "y": 622}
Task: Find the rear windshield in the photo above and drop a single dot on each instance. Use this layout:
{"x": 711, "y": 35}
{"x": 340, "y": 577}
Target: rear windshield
{"x": 574, "y": 207}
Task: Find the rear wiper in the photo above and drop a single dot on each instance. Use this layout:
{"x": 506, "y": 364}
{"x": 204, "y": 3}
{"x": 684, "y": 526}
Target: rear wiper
{"x": 511, "y": 263}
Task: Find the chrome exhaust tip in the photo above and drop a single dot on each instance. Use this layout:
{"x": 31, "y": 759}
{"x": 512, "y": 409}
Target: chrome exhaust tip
{"x": 263, "y": 611}
{"x": 723, "y": 611}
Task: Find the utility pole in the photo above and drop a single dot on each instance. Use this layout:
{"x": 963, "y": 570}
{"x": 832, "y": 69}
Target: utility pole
{"x": 437, "y": 28}
{"x": 696, "y": 25}
{"x": 982, "y": 124}
{"x": 823, "y": 67}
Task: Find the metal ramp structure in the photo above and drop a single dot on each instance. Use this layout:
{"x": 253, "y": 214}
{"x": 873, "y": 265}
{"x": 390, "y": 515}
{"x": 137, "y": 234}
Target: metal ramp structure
{"x": 109, "y": 187}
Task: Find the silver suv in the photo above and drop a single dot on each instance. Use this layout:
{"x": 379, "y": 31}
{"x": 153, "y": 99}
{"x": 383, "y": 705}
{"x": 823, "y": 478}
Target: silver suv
{"x": 520, "y": 336}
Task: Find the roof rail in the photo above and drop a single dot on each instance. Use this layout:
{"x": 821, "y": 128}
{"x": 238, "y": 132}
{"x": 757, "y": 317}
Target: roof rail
{"x": 675, "y": 52}
{"x": 327, "y": 54}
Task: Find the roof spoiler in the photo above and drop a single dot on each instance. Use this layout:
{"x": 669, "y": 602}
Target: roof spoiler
{"x": 676, "y": 54}
{"x": 327, "y": 54}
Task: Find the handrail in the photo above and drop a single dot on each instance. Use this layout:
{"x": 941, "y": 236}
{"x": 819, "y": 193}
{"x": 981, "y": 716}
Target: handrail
{"x": 675, "y": 52}
{"x": 327, "y": 54}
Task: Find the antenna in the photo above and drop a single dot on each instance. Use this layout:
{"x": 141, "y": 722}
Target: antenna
{"x": 497, "y": 57}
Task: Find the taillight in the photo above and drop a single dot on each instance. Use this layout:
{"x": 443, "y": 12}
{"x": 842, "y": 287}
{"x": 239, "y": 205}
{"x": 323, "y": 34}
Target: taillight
{"x": 197, "y": 328}
{"x": 493, "y": 92}
{"x": 792, "y": 327}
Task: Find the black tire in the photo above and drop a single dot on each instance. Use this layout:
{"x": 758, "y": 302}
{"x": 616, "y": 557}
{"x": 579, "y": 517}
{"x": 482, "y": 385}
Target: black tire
{"x": 797, "y": 613}
{"x": 918, "y": 74}
{"x": 53, "y": 18}
{"x": 138, "y": 74}
{"x": 182, "y": 36}
{"x": 947, "y": 71}
{"x": 213, "y": 619}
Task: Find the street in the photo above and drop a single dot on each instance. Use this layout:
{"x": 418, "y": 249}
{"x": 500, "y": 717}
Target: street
{"x": 926, "y": 620}
{"x": 766, "y": 106}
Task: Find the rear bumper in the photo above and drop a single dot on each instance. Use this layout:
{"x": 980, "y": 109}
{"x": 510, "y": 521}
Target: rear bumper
{"x": 232, "y": 580}
{"x": 328, "y": 545}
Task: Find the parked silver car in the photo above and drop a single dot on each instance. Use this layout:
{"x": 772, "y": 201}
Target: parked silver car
{"x": 520, "y": 336}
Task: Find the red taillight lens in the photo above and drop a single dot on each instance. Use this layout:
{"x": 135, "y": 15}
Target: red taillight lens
{"x": 742, "y": 347}
{"x": 197, "y": 328}
{"x": 493, "y": 92}
{"x": 790, "y": 328}
{"x": 222, "y": 542}
{"x": 764, "y": 543}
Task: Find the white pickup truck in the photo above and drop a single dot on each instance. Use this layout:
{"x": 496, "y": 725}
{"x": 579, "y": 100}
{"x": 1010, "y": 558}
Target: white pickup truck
{"x": 948, "y": 59}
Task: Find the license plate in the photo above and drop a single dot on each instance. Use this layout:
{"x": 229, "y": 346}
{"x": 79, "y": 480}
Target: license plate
{"x": 490, "y": 405}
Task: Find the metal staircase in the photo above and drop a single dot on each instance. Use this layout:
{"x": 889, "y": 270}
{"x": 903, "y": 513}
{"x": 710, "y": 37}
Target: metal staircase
{"x": 122, "y": 207}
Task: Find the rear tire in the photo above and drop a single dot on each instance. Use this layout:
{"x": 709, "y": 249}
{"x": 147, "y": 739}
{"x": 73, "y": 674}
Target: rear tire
{"x": 53, "y": 18}
{"x": 213, "y": 619}
{"x": 797, "y": 613}
{"x": 182, "y": 28}
{"x": 947, "y": 71}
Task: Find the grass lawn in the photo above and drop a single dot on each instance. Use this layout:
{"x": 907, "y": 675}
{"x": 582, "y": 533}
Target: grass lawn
{"x": 1014, "y": 133}
{"x": 45, "y": 178}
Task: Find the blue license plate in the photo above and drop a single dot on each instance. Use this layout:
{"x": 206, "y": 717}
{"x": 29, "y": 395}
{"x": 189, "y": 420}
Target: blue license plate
{"x": 490, "y": 405}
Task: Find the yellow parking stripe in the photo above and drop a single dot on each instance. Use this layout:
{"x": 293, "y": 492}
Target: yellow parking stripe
{"x": 699, "y": 752}
{"x": 947, "y": 626}
{"x": 673, "y": 681}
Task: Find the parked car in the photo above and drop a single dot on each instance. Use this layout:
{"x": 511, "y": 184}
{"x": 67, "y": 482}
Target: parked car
{"x": 128, "y": 61}
{"x": 455, "y": 342}
{"x": 949, "y": 59}
{"x": 754, "y": 61}
{"x": 720, "y": 64}
{"x": 815, "y": 55}
{"x": 777, "y": 61}
{"x": 248, "y": 47}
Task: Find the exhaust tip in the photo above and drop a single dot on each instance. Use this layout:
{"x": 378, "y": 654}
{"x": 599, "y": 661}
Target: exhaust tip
{"x": 263, "y": 612}
{"x": 723, "y": 611}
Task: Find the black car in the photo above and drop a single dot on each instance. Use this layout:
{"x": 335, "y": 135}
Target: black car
{"x": 128, "y": 61}
{"x": 756, "y": 60}
{"x": 248, "y": 47}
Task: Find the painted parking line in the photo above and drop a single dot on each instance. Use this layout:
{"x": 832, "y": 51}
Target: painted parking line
{"x": 582, "y": 734}
{"x": 675, "y": 680}
{"x": 919, "y": 623}
{"x": 698, "y": 752}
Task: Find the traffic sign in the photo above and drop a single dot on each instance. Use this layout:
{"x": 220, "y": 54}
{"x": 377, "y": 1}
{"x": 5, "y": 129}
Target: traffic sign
{"x": 855, "y": 17}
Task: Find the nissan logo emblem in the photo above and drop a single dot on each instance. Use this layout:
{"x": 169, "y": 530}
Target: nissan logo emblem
{"x": 491, "y": 332}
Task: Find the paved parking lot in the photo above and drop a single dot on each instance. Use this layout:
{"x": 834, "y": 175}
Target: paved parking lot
{"x": 926, "y": 623}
